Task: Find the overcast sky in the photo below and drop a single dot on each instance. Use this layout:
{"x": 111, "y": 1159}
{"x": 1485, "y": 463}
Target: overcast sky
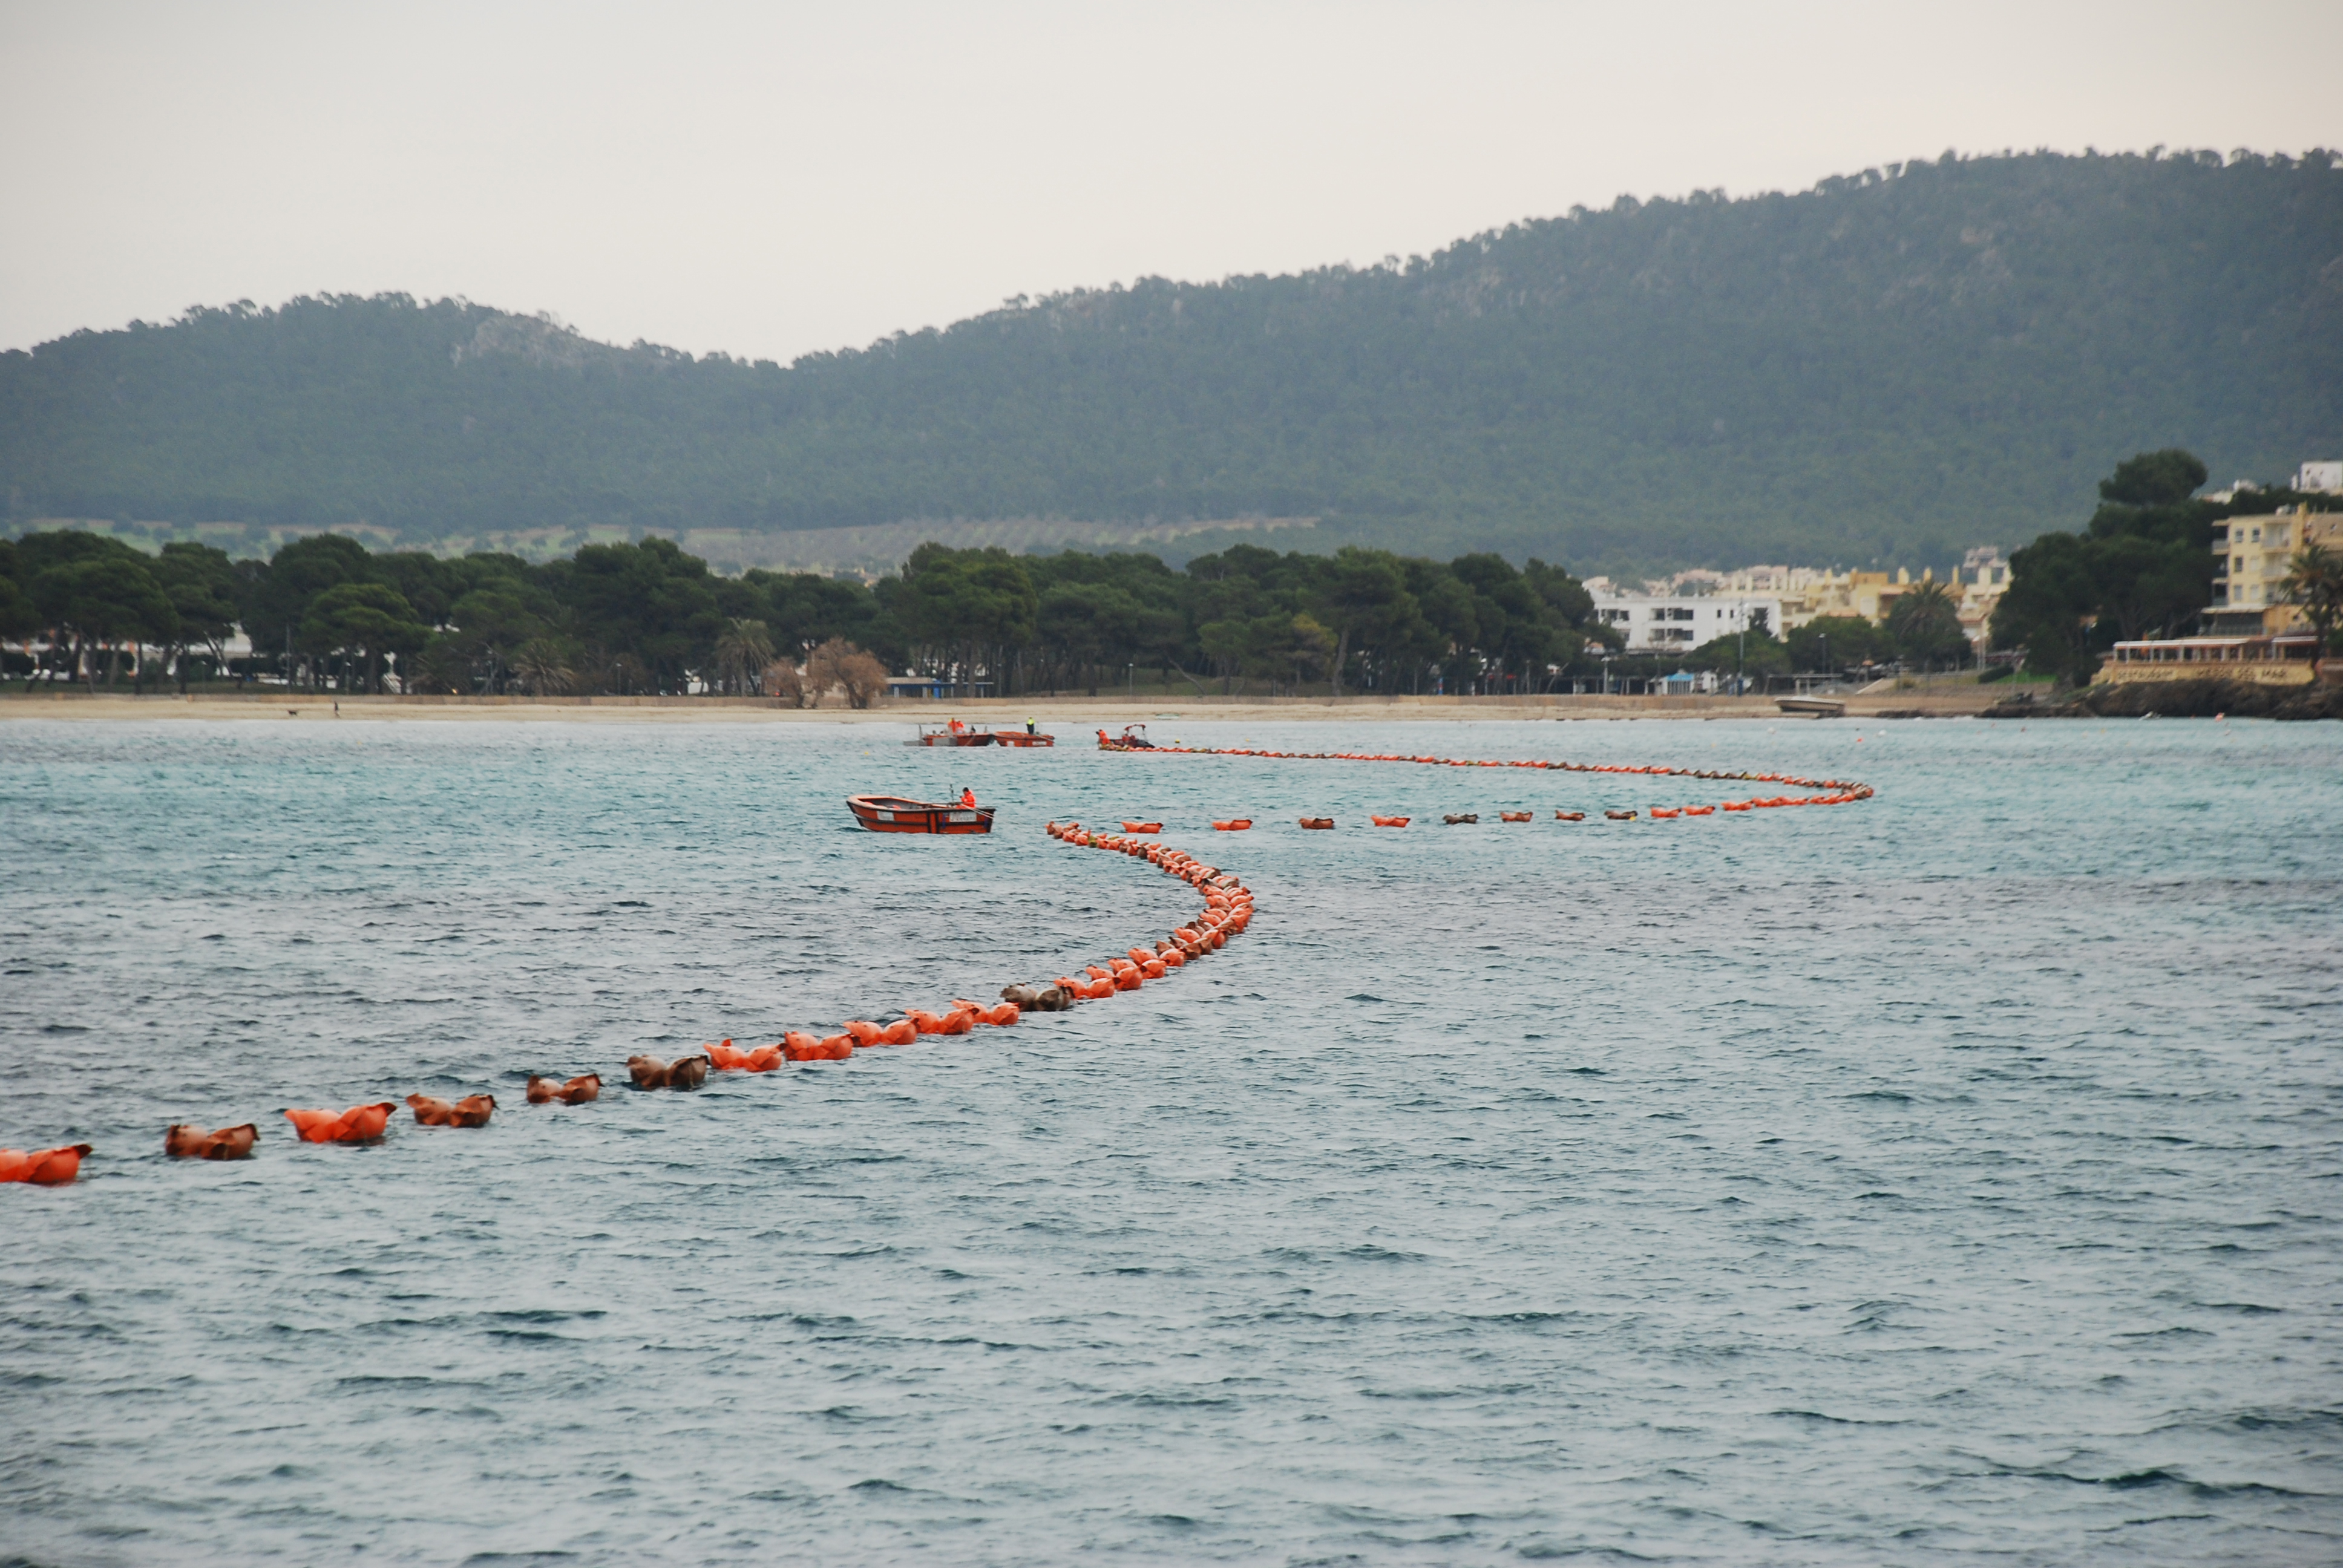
{"x": 770, "y": 179}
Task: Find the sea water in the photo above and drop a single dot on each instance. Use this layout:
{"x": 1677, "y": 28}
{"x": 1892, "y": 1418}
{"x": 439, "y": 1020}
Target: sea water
{"x": 1952, "y": 1176}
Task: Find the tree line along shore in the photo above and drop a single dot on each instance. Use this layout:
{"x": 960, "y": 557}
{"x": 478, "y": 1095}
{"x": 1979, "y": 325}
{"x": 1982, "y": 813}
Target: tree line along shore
{"x": 324, "y": 614}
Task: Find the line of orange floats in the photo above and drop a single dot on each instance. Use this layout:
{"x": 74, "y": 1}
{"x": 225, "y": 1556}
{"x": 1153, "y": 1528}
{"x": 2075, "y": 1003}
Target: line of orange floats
{"x": 1228, "y": 910}
{"x": 1832, "y": 791}
{"x": 1229, "y": 907}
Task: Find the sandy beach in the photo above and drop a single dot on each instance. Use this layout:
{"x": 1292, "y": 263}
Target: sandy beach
{"x": 1060, "y": 714}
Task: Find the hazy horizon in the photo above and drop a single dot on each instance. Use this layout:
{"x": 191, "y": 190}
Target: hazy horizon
{"x": 773, "y": 184}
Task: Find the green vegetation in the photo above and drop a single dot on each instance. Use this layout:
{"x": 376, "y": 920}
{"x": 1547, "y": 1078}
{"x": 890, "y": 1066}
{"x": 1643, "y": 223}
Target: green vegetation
{"x": 2314, "y": 580}
{"x": 1923, "y": 627}
{"x": 1881, "y": 370}
{"x": 648, "y": 619}
{"x": 1833, "y": 642}
{"x": 2144, "y": 566}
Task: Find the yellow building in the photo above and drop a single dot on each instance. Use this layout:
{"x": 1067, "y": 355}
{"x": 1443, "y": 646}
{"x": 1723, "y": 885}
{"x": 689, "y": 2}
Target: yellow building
{"x": 1808, "y": 594}
{"x": 1863, "y": 594}
{"x": 2255, "y": 555}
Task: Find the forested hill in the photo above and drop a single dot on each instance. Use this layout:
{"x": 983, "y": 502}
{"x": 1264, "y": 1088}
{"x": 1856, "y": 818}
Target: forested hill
{"x": 1895, "y": 364}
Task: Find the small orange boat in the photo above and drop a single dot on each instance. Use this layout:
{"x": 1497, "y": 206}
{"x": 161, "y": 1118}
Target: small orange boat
{"x": 1143, "y": 826}
{"x": 894, "y": 814}
{"x": 1389, "y": 821}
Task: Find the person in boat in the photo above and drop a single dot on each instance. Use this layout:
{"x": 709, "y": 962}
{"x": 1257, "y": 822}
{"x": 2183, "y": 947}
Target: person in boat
{"x": 1032, "y": 727}
{"x": 968, "y": 799}
{"x": 957, "y": 726}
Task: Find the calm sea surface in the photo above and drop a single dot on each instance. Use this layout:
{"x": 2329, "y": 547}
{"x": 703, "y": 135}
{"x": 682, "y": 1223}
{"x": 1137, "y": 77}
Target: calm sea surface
{"x": 1952, "y": 1177}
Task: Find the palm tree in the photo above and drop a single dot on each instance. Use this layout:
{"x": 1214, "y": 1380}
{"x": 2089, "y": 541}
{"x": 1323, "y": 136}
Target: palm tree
{"x": 2313, "y": 581}
{"x": 439, "y": 665}
{"x": 542, "y": 668}
{"x": 1924, "y": 623}
{"x": 742, "y": 651}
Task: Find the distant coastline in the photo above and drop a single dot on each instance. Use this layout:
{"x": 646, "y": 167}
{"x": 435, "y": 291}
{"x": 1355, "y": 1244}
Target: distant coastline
{"x": 1111, "y": 713}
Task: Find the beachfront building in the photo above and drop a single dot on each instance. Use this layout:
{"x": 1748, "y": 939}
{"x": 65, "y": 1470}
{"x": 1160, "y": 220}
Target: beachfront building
{"x": 2253, "y": 555}
{"x": 1678, "y": 623}
{"x": 2261, "y": 660}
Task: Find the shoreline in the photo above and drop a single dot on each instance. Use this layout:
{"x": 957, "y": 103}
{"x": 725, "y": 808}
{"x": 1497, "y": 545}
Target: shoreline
{"x": 996, "y": 713}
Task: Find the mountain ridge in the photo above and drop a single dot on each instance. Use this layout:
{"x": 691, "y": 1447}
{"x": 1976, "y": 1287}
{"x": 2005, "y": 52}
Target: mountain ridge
{"x": 1893, "y": 363}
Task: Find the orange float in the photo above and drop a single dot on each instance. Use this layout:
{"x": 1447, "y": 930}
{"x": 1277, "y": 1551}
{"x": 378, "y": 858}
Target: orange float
{"x": 797, "y": 1045}
{"x": 358, "y": 1124}
{"x": 472, "y": 1111}
{"x": 725, "y": 1058}
{"x": 1389, "y": 821}
{"x": 42, "y": 1167}
{"x": 182, "y": 1140}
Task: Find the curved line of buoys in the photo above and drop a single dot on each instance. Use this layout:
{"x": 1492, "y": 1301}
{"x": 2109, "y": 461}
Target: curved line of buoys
{"x": 1228, "y": 912}
{"x": 1830, "y": 791}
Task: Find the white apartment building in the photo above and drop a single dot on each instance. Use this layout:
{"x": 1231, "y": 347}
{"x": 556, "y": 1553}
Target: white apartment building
{"x": 1680, "y": 623}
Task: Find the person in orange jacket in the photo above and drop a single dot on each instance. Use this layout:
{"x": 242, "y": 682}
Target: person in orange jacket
{"x": 968, "y": 799}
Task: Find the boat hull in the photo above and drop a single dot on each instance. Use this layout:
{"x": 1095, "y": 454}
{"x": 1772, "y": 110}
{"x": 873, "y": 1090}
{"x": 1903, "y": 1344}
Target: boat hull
{"x": 894, "y": 814}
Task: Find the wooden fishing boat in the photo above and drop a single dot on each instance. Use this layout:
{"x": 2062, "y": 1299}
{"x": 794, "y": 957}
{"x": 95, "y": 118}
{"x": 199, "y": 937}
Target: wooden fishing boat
{"x": 1022, "y": 738}
{"x": 894, "y": 814}
{"x": 953, "y": 734}
{"x": 1819, "y": 707}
